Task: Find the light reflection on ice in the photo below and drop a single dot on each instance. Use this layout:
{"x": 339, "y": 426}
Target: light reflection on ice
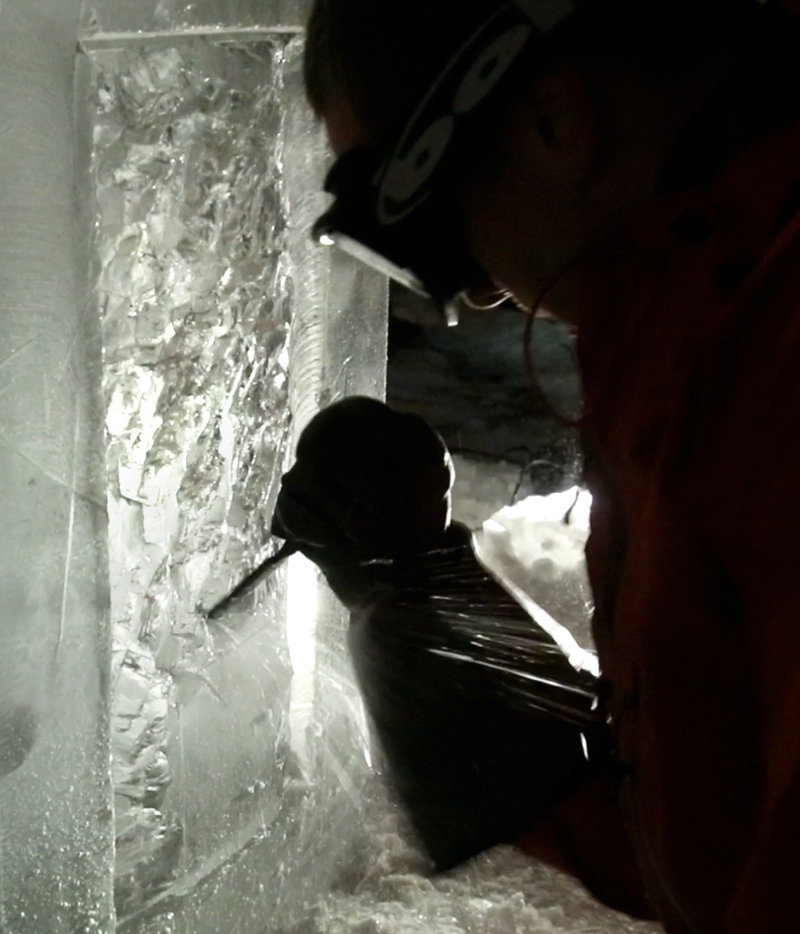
{"x": 537, "y": 546}
{"x": 228, "y": 812}
{"x": 302, "y": 607}
{"x": 196, "y": 298}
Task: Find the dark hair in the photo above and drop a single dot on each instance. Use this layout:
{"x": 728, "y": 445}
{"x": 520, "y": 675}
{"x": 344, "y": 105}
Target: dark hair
{"x": 381, "y": 55}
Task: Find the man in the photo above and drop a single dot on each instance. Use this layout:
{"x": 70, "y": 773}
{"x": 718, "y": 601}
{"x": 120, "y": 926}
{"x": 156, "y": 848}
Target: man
{"x": 636, "y": 168}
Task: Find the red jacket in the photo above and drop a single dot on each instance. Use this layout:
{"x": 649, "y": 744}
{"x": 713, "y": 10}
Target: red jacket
{"x": 691, "y": 361}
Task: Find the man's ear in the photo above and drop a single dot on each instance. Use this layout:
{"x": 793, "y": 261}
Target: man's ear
{"x": 556, "y": 125}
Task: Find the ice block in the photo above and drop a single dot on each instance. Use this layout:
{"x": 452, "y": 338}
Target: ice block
{"x": 239, "y": 744}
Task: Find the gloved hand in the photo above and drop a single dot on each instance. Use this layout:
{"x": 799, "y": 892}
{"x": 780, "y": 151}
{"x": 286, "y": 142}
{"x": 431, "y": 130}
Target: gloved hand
{"x": 368, "y": 482}
{"x": 369, "y": 485}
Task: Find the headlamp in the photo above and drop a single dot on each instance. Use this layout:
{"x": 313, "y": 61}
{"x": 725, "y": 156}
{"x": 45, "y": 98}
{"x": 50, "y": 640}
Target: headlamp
{"x": 395, "y": 210}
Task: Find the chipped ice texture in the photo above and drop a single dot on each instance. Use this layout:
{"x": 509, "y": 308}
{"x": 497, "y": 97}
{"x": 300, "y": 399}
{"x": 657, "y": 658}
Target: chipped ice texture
{"x": 196, "y": 297}
{"x": 136, "y": 16}
{"x": 195, "y": 301}
{"x": 236, "y": 783}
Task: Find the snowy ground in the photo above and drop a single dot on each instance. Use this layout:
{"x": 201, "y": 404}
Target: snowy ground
{"x": 501, "y": 892}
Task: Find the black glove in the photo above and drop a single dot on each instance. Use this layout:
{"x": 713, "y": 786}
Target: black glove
{"x": 368, "y": 483}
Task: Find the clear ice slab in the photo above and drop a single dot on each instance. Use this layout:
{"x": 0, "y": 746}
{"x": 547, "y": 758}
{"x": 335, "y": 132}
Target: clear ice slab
{"x": 239, "y": 745}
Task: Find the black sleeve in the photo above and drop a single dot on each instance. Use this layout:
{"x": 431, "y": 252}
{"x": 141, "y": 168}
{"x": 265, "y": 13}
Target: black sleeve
{"x": 483, "y": 722}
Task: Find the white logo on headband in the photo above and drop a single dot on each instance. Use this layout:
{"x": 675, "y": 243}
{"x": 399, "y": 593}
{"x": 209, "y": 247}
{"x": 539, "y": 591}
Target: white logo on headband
{"x": 404, "y": 177}
{"x": 489, "y": 68}
{"x": 401, "y": 188}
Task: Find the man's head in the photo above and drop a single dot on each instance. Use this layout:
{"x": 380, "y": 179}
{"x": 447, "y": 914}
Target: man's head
{"x": 566, "y": 147}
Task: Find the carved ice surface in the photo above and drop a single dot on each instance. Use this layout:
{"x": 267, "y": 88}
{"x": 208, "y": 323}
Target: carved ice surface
{"x": 217, "y": 784}
{"x": 538, "y": 545}
{"x": 195, "y": 299}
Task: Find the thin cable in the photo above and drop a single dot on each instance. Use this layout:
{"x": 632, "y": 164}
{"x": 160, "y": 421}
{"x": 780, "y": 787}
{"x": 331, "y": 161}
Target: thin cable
{"x": 503, "y": 296}
{"x": 530, "y": 363}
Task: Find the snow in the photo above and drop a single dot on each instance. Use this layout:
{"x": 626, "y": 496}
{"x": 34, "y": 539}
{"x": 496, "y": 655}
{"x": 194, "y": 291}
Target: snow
{"x": 501, "y": 892}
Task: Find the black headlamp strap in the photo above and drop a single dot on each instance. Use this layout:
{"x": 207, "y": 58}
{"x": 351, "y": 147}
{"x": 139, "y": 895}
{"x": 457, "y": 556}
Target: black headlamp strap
{"x": 468, "y": 78}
